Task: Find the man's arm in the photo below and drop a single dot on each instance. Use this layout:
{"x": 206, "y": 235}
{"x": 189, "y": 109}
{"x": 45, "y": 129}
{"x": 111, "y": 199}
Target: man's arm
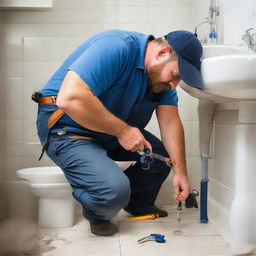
{"x": 76, "y": 99}
{"x": 172, "y": 135}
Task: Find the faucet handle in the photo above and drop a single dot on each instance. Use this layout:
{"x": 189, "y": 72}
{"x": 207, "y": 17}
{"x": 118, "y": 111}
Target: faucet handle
{"x": 249, "y": 29}
{"x": 249, "y": 38}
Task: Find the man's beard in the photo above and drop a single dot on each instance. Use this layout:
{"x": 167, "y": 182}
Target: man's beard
{"x": 154, "y": 74}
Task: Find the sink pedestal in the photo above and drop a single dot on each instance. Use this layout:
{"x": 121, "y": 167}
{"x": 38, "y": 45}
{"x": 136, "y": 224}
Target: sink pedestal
{"x": 229, "y": 77}
{"x": 243, "y": 208}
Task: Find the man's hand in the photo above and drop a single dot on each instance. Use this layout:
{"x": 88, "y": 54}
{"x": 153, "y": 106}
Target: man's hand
{"x": 132, "y": 139}
{"x": 181, "y": 186}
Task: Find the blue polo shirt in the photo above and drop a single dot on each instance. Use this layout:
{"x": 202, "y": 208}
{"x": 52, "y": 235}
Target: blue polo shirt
{"x": 111, "y": 63}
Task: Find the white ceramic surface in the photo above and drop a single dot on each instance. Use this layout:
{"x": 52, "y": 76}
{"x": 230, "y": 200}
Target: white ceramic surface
{"x": 42, "y": 175}
{"x": 229, "y": 73}
{"x": 56, "y": 205}
{"x": 232, "y": 76}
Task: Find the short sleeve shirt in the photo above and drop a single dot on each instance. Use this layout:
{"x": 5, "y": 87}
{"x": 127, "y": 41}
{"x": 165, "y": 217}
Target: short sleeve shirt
{"x": 111, "y": 63}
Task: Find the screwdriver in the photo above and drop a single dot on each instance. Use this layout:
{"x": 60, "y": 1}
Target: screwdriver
{"x": 179, "y": 208}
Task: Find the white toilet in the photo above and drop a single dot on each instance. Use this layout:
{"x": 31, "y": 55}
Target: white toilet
{"x": 56, "y": 204}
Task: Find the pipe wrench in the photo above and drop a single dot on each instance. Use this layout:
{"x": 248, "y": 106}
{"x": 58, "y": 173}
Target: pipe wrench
{"x": 147, "y": 157}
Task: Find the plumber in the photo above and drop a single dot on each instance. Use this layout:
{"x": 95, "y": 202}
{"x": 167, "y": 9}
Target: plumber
{"x": 94, "y": 109}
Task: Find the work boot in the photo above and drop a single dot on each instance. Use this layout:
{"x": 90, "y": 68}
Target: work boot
{"x": 103, "y": 227}
{"x": 153, "y": 209}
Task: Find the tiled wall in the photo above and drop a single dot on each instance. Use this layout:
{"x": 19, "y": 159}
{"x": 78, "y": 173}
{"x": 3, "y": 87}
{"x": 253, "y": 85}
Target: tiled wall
{"x": 3, "y": 193}
{"x": 239, "y": 16}
{"x": 35, "y": 43}
{"x": 221, "y": 172}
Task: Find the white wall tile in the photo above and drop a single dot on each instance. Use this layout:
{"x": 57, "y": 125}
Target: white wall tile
{"x": 78, "y": 4}
{"x": 195, "y": 139}
{"x": 188, "y": 128}
{"x": 185, "y": 18}
{"x": 195, "y": 109}
{"x": 195, "y": 184}
{"x": 140, "y": 27}
{"x": 57, "y": 17}
{"x": 11, "y": 51}
{"x": 220, "y": 193}
{"x": 165, "y": 195}
{"x": 196, "y": 167}
{"x": 189, "y": 165}
{"x": 224, "y": 154}
{"x": 185, "y": 105}
{"x": 15, "y": 130}
{"x": 11, "y": 69}
{"x": 50, "y": 48}
{"x": 15, "y": 32}
{"x": 133, "y": 2}
{"x": 161, "y": 15}
{"x": 111, "y": 14}
{"x": 234, "y": 27}
{"x": 24, "y": 150}
{"x": 133, "y": 15}
{"x": 153, "y": 126}
{"x": 3, "y": 199}
{"x": 14, "y": 98}
{"x": 173, "y": 2}
{"x": 40, "y": 69}
{"x": 110, "y": 2}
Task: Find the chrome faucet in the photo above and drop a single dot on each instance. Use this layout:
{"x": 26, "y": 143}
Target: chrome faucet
{"x": 212, "y": 21}
{"x": 250, "y": 38}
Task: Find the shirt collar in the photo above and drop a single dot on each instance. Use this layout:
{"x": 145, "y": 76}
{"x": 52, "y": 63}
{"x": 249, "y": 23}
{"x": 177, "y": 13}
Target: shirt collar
{"x": 141, "y": 56}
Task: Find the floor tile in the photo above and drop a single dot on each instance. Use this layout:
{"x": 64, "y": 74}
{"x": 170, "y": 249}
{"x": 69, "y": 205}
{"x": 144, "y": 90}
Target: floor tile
{"x": 188, "y": 237}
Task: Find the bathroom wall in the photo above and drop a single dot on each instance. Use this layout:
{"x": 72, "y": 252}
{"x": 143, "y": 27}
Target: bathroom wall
{"x": 239, "y": 16}
{"x": 36, "y": 42}
{"x": 3, "y": 194}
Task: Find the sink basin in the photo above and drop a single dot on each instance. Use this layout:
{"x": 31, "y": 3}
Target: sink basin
{"x": 229, "y": 73}
{"x": 222, "y": 49}
{"x": 232, "y": 76}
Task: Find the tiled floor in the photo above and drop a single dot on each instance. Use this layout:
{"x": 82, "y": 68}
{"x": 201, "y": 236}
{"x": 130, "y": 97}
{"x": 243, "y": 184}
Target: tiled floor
{"x": 192, "y": 238}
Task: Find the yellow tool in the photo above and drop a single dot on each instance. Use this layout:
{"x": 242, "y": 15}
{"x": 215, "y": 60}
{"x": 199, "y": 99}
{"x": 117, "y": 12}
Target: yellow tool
{"x": 145, "y": 217}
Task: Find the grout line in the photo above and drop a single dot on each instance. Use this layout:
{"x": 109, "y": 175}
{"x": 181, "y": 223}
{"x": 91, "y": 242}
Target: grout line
{"x": 119, "y": 242}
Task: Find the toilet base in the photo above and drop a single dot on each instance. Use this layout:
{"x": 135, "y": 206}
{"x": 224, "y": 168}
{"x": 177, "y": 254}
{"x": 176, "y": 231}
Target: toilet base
{"x": 56, "y": 212}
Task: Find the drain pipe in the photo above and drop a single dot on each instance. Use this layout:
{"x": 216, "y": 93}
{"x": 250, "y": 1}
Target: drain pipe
{"x": 206, "y": 110}
{"x": 204, "y": 189}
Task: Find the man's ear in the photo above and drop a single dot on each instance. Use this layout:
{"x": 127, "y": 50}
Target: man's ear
{"x": 164, "y": 51}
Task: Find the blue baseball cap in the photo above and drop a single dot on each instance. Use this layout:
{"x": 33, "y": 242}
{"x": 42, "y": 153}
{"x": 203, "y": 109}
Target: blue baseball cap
{"x": 189, "y": 50}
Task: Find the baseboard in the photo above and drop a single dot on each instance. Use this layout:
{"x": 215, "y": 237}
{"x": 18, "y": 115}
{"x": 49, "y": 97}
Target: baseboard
{"x": 219, "y": 215}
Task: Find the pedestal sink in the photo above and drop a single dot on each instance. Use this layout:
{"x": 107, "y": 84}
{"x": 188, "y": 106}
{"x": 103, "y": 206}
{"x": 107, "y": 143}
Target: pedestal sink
{"x": 229, "y": 75}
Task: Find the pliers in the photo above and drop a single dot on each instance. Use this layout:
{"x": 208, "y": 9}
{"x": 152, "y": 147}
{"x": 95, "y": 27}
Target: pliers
{"x": 147, "y": 157}
{"x": 152, "y": 237}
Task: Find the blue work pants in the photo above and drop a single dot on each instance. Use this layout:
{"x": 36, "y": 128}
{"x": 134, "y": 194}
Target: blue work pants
{"x": 98, "y": 183}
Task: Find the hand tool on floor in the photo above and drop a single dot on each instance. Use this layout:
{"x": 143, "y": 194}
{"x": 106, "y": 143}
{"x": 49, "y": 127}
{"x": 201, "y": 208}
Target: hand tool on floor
{"x": 147, "y": 157}
{"x": 145, "y": 217}
{"x": 191, "y": 201}
{"x": 152, "y": 237}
